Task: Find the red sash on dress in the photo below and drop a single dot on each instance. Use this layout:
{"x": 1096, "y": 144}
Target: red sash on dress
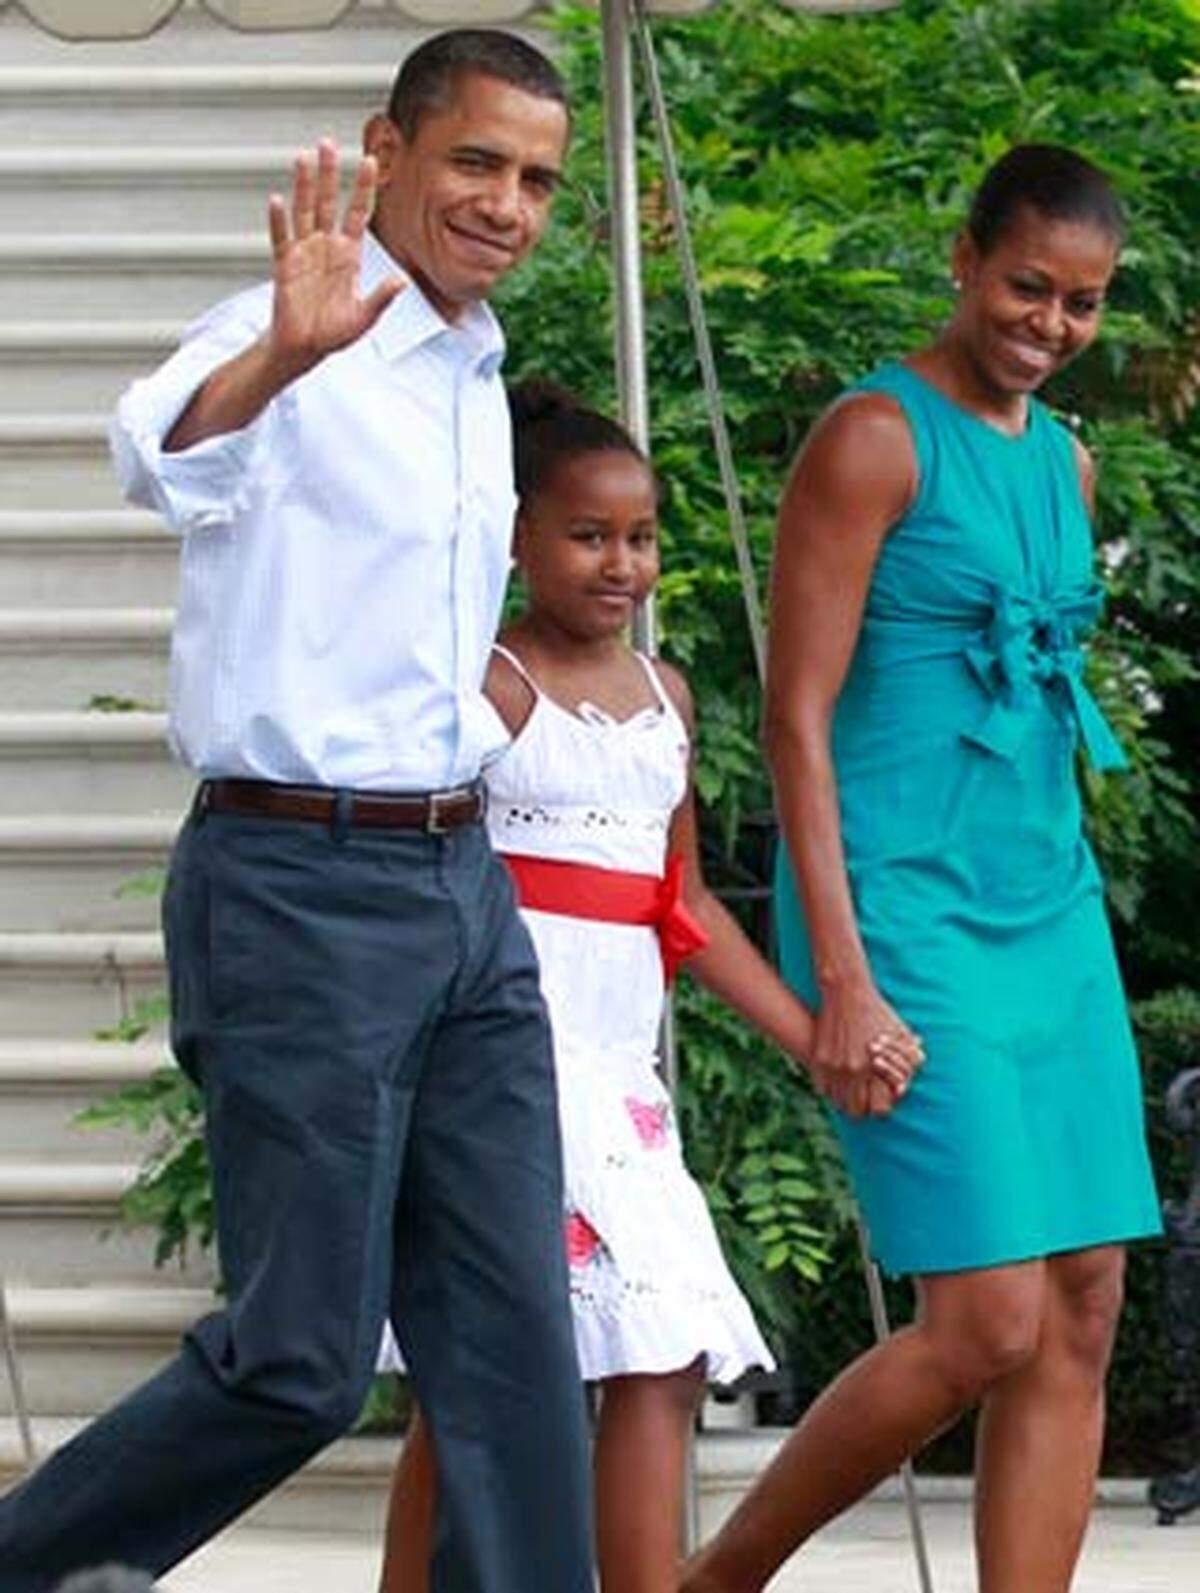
{"x": 612, "y": 896}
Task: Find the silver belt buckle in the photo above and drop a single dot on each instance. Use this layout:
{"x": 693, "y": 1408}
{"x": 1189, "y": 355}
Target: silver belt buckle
{"x": 439, "y": 803}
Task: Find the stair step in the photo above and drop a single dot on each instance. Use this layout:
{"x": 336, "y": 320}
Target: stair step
{"x": 113, "y": 558}
{"x": 60, "y": 1224}
{"x": 140, "y": 188}
{"x": 344, "y": 1488}
{"x": 65, "y": 658}
{"x": 84, "y": 1348}
{"x": 82, "y": 872}
{"x": 48, "y": 460}
{"x": 75, "y": 984}
{"x": 99, "y": 104}
{"x": 45, "y": 1084}
{"x": 165, "y": 274}
{"x": 79, "y": 366}
{"x": 64, "y": 762}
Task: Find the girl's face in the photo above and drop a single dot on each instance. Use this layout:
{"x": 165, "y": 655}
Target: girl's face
{"x": 1033, "y": 301}
{"x": 587, "y": 543}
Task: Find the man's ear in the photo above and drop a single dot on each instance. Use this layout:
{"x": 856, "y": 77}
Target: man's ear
{"x": 383, "y": 139}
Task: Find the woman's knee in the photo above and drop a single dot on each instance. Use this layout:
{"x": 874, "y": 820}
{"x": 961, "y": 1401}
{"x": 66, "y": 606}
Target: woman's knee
{"x": 1087, "y": 1290}
{"x": 985, "y": 1328}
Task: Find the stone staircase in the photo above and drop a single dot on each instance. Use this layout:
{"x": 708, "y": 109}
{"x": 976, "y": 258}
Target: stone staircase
{"x": 133, "y": 181}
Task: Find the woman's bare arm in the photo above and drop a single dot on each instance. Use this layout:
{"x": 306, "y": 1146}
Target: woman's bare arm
{"x": 853, "y": 480}
{"x": 733, "y": 968}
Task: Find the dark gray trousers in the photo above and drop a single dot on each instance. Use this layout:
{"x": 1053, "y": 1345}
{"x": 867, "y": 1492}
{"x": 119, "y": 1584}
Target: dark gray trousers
{"x": 361, "y": 1010}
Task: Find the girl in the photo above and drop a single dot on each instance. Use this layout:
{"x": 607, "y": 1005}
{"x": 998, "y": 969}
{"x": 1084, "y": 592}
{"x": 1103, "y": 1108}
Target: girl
{"x": 593, "y": 808}
{"x": 925, "y": 705}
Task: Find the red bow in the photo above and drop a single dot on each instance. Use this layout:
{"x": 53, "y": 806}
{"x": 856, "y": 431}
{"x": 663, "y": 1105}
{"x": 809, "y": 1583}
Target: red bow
{"x": 612, "y": 896}
{"x": 680, "y": 933}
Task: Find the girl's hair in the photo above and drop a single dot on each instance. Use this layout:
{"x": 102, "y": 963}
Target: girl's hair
{"x": 551, "y": 425}
{"x": 1055, "y": 182}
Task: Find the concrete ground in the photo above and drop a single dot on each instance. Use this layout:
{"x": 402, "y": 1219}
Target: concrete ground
{"x": 866, "y": 1552}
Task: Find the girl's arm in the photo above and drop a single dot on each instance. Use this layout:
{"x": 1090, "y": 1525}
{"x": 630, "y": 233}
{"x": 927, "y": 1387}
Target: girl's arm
{"x": 854, "y": 479}
{"x": 732, "y": 967}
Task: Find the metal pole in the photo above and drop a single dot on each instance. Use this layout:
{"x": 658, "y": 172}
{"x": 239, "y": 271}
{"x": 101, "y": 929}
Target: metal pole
{"x": 700, "y": 334}
{"x": 20, "y": 1408}
{"x": 620, "y": 134}
{"x": 737, "y": 523}
{"x": 633, "y": 403}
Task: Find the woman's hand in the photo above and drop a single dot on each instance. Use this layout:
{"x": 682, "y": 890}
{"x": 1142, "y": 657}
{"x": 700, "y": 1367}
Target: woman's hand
{"x": 864, "y": 1055}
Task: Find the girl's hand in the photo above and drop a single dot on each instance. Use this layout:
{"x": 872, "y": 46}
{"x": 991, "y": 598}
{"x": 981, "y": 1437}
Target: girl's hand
{"x": 863, "y": 1055}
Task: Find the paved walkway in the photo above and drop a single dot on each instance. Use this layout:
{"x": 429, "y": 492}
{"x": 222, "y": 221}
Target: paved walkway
{"x": 866, "y": 1552}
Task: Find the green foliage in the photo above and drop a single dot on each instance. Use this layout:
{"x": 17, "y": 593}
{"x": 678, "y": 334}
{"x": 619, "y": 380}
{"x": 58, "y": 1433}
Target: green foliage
{"x": 173, "y": 1192}
{"x": 106, "y": 703}
{"x": 146, "y": 1014}
{"x": 146, "y": 884}
{"x": 760, "y": 1144}
{"x": 829, "y": 165}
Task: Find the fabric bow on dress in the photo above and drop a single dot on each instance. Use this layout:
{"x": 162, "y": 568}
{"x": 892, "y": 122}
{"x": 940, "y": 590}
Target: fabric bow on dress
{"x": 1030, "y": 645}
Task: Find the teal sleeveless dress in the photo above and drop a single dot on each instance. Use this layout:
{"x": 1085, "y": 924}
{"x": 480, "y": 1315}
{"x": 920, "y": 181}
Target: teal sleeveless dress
{"x": 976, "y": 893}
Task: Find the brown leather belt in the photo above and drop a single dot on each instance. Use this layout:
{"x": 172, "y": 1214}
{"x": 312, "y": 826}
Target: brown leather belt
{"x": 431, "y": 811}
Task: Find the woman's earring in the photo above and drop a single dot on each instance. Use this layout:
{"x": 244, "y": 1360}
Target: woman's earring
{"x": 956, "y": 284}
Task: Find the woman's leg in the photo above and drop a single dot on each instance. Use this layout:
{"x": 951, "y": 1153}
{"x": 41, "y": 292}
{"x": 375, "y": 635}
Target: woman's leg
{"x": 408, "y": 1542}
{"x": 1041, "y": 1433}
{"x": 640, "y": 1461}
{"x": 972, "y": 1329}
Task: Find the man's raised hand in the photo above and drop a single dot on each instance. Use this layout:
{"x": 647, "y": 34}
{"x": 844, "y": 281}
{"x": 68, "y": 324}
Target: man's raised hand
{"x": 317, "y": 305}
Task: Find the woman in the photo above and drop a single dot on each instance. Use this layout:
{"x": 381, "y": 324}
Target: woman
{"x": 925, "y": 701}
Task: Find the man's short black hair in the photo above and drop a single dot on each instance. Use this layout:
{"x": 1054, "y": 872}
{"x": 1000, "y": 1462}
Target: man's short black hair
{"x": 429, "y": 78}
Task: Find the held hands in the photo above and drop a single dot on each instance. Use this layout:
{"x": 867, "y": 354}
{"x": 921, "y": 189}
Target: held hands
{"x": 317, "y": 306}
{"x": 863, "y": 1056}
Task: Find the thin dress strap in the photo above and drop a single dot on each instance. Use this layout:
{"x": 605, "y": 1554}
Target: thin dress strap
{"x": 660, "y": 691}
{"x": 511, "y": 658}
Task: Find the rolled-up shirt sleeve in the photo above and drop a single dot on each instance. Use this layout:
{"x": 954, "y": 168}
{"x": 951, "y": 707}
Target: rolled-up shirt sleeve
{"x": 202, "y": 487}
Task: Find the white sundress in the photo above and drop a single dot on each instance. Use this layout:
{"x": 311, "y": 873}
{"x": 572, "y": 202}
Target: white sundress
{"x": 650, "y": 1289}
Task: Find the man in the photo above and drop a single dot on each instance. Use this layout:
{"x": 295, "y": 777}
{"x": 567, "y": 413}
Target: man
{"x": 349, "y": 982}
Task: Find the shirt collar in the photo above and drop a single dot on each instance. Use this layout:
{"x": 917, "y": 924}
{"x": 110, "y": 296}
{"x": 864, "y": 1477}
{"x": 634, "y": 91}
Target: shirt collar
{"x": 410, "y": 320}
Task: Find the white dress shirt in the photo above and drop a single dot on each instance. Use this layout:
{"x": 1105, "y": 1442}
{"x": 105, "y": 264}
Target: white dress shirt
{"x": 344, "y": 556}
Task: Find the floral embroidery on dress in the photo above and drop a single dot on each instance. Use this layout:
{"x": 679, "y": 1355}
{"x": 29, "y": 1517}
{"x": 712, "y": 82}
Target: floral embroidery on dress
{"x": 564, "y": 816}
{"x": 651, "y": 1119}
{"x": 583, "y": 1242}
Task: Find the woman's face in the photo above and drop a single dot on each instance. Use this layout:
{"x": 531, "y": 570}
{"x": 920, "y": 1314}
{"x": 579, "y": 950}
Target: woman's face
{"x": 1033, "y": 301}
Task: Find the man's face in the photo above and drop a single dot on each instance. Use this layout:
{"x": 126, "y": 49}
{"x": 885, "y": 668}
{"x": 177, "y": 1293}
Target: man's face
{"x": 469, "y": 196}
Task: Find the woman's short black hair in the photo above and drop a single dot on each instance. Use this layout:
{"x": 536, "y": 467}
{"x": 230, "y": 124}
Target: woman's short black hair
{"x": 551, "y": 425}
{"x": 1055, "y": 182}
{"x": 428, "y": 79}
